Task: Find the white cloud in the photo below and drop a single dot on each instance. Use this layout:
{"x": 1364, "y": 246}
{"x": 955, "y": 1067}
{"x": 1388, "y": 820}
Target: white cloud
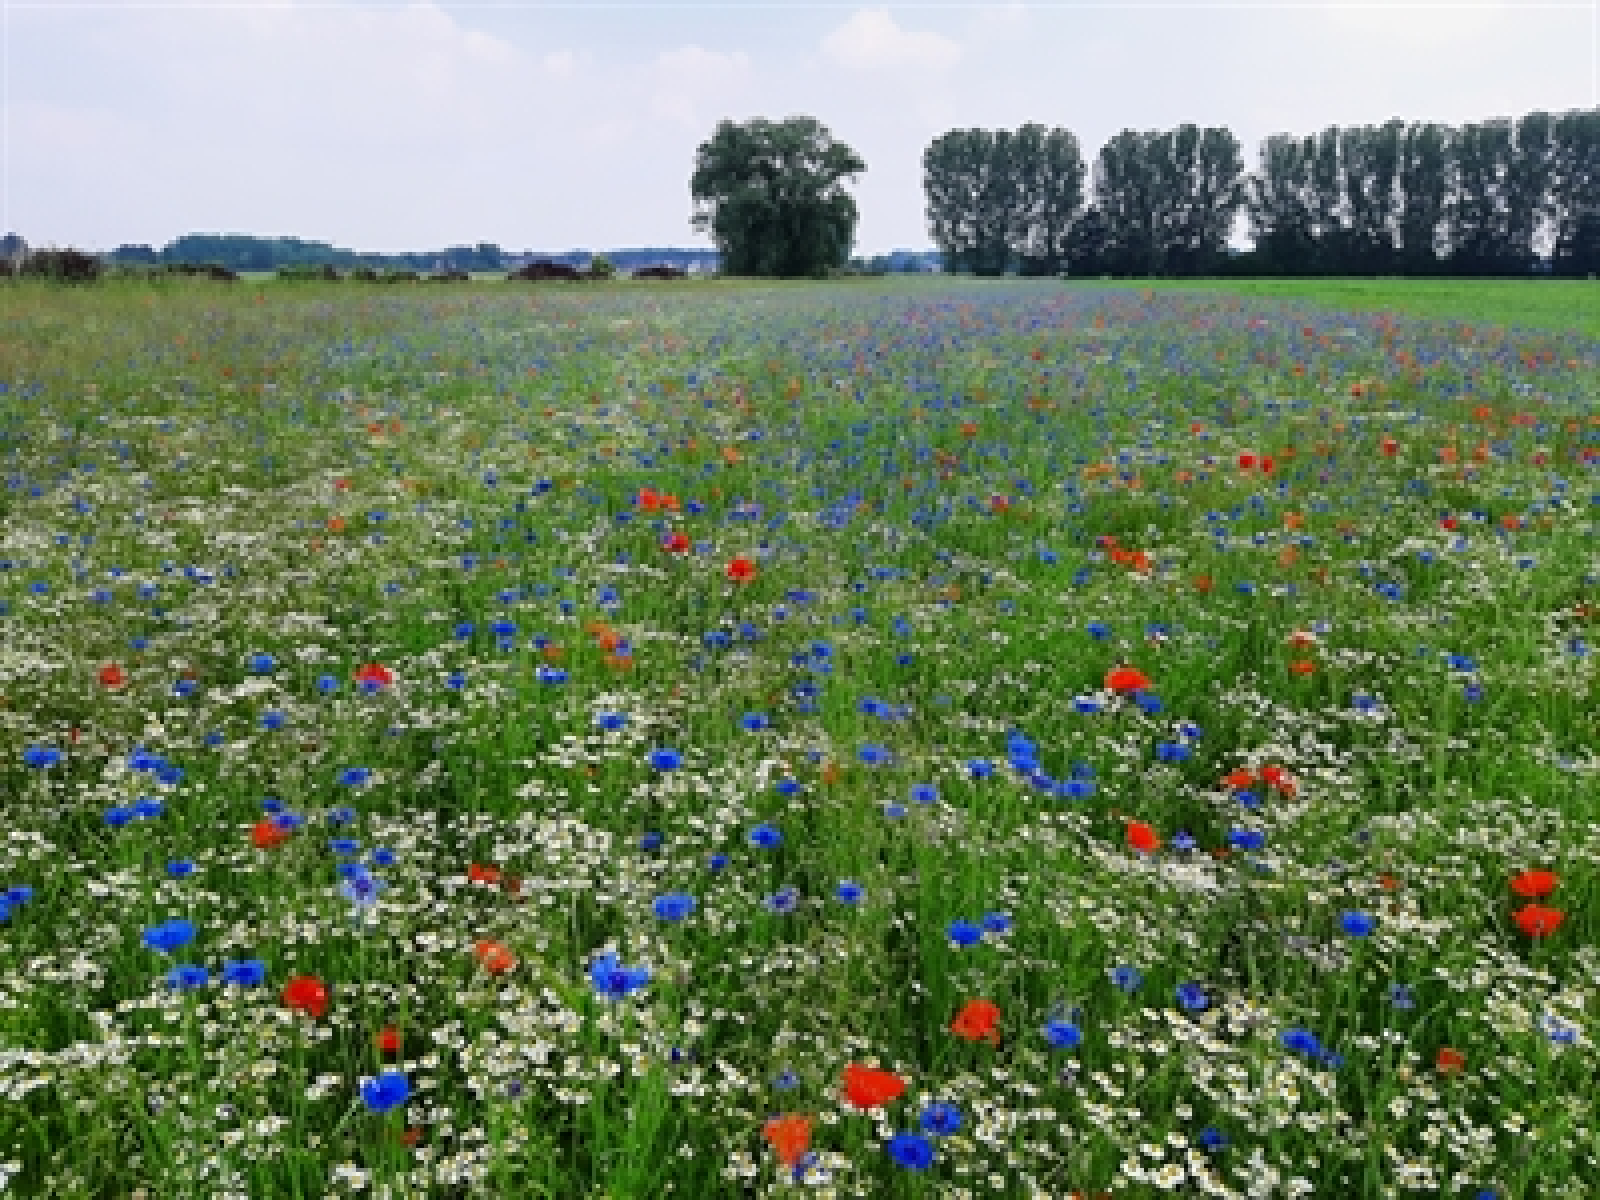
{"x": 871, "y": 40}
{"x": 690, "y": 76}
{"x": 1411, "y": 26}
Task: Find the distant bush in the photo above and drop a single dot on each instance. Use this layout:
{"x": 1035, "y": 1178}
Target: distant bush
{"x": 364, "y": 275}
{"x": 400, "y": 277}
{"x": 63, "y": 266}
{"x": 304, "y": 271}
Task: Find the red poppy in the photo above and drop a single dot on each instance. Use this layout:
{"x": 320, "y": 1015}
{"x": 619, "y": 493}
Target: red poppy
{"x": 388, "y": 1040}
{"x": 112, "y": 676}
{"x": 1126, "y": 679}
{"x": 1389, "y": 446}
{"x": 741, "y": 570}
{"x": 675, "y": 543}
{"x": 648, "y": 499}
{"x": 1450, "y": 1061}
{"x": 307, "y": 994}
{"x": 868, "y": 1087}
{"x": 1535, "y": 920}
{"x": 1535, "y": 885}
{"x": 477, "y": 873}
{"x": 1246, "y": 461}
{"x": 1143, "y": 837}
{"x": 976, "y": 1020}
{"x": 1277, "y": 777}
{"x": 789, "y": 1136}
{"x": 376, "y": 674}
{"x": 1267, "y": 464}
{"x": 495, "y": 958}
{"x": 268, "y": 836}
{"x": 1303, "y": 666}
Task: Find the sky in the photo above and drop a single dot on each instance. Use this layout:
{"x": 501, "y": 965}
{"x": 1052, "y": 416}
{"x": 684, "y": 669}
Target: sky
{"x": 387, "y": 127}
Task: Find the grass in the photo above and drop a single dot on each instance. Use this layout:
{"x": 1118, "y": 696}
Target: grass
{"x": 526, "y": 851}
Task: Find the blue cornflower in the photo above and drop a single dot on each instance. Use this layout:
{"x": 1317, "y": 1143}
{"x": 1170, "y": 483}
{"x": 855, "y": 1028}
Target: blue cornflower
{"x": 1210, "y": 1139}
{"x": 186, "y": 978}
{"x": 248, "y": 972}
{"x": 611, "y": 978}
{"x": 996, "y": 922}
{"x": 874, "y": 755}
{"x": 1126, "y": 979}
{"x": 980, "y": 768}
{"x": 41, "y": 756}
{"x": 925, "y": 793}
{"x": 964, "y": 933}
{"x": 387, "y": 1091}
{"x": 1357, "y": 924}
{"x": 456, "y": 680}
{"x": 179, "y": 867}
{"x": 344, "y": 846}
{"x": 766, "y": 836}
{"x": 665, "y": 759}
{"x": 1173, "y": 752}
{"x": 911, "y": 1150}
{"x": 1246, "y": 839}
{"x": 753, "y": 722}
{"x": 1183, "y": 841}
{"x": 118, "y": 817}
{"x": 1301, "y": 1041}
{"x": 611, "y": 721}
{"x": 650, "y": 841}
{"x": 1063, "y": 1035}
{"x": 343, "y": 815}
{"x": 717, "y": 862}
{"x": 941, "y": 1119}
{"x": 1192, "y": 997}
{"x": 354, "y": 776}
{"x": 787, "y": 787}
{"x": 849, "y": 892}
{"x": 674, "y": 906}
{"x": 783, "y": 901}
{"x": 361, "y": 889}
{"x": 327, "y": 684}
{"x": 273, "y": 720}
{"x": 1400, "y": 996}
{"x": 894, "y": 811}
{"x": 262, "y": 663}
{"x": 169, "y": 935}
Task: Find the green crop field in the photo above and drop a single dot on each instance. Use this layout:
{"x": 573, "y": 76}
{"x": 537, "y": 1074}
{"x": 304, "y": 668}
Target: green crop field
{"x": 887, "y": 738}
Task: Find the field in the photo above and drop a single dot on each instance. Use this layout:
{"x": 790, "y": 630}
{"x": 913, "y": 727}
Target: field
{"x": 896, "y": 738}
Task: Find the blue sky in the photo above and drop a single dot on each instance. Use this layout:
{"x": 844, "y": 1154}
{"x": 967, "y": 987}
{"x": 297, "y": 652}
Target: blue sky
{"x": 387, "y": 127}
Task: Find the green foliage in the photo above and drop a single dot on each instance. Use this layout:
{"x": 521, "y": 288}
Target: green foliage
{"x": 771, "y": 196}
{"x": 600, "y": 267}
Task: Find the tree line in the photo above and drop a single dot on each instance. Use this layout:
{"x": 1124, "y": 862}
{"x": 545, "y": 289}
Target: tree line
{"x": 1406, "y": 199}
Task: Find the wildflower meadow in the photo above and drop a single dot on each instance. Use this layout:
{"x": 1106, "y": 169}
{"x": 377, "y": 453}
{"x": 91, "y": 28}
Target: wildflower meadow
{"x": 886, "y": 739}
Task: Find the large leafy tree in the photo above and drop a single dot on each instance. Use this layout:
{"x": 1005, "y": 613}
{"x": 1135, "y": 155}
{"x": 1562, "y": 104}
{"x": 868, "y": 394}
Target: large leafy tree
{"x": 1425, "y": 155}
{"x": 996, "y": 198}
{"x": 772, "y": 196}
{"x": 1575, "y": 200}
{"x": 1370, "y": 158}
{"x": 952, "y": 178}
{"x": 1199, "y": 189}
{"x": 1127, "y": 195}
{"x": 1282, "y": 215}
